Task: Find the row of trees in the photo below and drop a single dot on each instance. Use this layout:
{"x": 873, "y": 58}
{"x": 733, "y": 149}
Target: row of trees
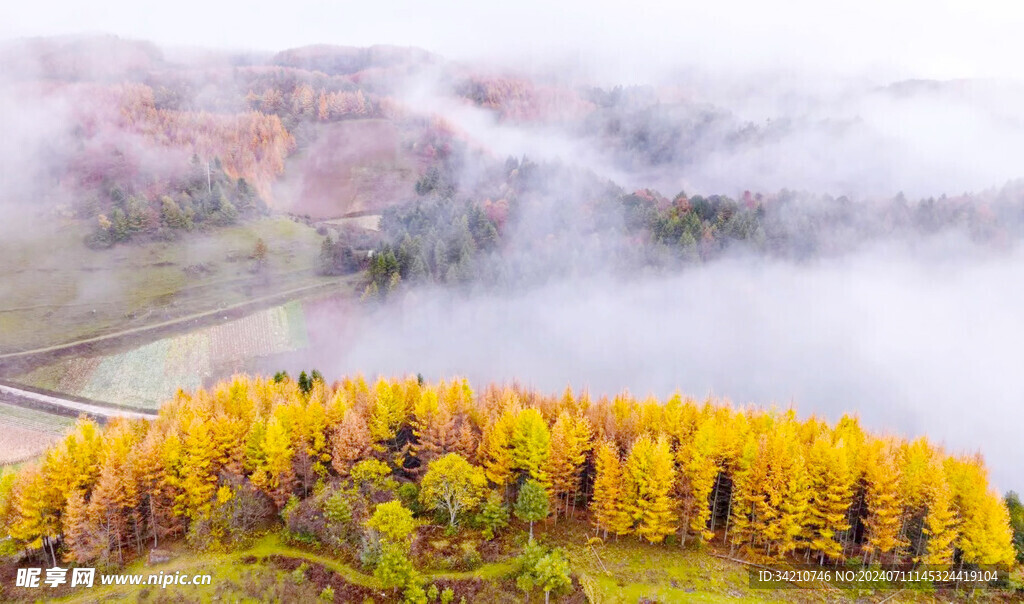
{"x": 800, "y": 225}
{"x": 778, "y": 486}
{"x": 215, "y": 464}
{"x": 438, "y": 241}
{"x": 562, "y": 221}
{"x": 304, "y": 103}
{"x": 204, "y": 196}
{"x": 519, "y": 99}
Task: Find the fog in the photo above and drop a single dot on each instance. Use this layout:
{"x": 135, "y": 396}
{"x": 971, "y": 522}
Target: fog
{"x": 919, "y": 338}
{"x": 915, "y": 343}
{"x": 624, "y": 42}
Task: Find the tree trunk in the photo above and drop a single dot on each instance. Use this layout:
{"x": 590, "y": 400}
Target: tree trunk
{"x": 152, "y": 516}
{"x": 728, "y": 517}
{"x": 714, "y": 501}
{"x": 684, "y": 527}
{"x": 531, "y": 531}
{"x": 49, "y": 542}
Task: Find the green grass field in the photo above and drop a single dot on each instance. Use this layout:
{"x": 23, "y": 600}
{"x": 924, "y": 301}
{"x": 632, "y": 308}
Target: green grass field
{"x": 620, "y": 571}
{"x": 54, "y": 290}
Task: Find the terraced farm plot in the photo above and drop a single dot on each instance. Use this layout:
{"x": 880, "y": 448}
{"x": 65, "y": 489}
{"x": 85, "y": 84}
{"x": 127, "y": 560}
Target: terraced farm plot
{"x": 145, "y": 376}
{"x": 25, "y": 433}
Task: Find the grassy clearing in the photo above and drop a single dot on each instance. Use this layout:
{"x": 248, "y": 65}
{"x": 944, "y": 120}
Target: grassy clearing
{"x": 625, "y": 571}
{"x": 272, "y": 545}
{"x": 54, "y": 290}
{"x": 628, "y": 570}
{"x": 232, "y": 571}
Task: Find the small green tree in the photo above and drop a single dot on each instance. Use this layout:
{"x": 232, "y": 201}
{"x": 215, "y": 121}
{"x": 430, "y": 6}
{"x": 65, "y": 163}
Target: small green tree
{"x": 532, "y": 503}
{"x": 120, "y": 229}
{"x": 415, "y": 594}
{"x": 172, "y": 214}
{"x": 493, "y": 515}
{"x": 394, "y": 569}
{"x": 547, "y": 570}
{"x": 226, "y": 211}
{"x": 1016, "y": 509}
{"x": 552, "y": 574}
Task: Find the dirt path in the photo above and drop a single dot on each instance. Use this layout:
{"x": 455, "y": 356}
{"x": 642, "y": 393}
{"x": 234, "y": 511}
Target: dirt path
{"x": 54, "y": 402}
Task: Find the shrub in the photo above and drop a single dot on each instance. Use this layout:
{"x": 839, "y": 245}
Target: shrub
{"x": 471, "y": 558}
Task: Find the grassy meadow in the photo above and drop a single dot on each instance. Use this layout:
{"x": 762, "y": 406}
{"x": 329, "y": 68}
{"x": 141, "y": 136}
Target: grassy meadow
{"x": 55, "y": 290}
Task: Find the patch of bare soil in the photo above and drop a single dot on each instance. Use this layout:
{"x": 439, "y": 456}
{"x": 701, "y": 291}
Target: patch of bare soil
{"x": 355, "y": 166}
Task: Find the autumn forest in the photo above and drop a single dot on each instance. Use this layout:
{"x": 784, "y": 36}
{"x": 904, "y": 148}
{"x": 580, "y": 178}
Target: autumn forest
{"x": 824, "y": 280}
{"x": 356, "y": 467}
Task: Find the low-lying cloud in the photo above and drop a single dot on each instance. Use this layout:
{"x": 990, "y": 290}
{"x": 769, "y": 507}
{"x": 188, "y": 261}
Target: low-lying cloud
{"x": 914, "y": 342}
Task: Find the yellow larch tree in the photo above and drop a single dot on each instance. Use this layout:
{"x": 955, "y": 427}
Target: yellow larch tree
{"x": 985, "y": 533}
{"x": 389, "y": 410}
{"x": 570, "y": 442}
{"x": 745, "y": 494}
{"x": 495, "y": 452}
{"x": 158, "y": 502}
{"x": 831, "y": 494}
{"x": 884, "y": 501}
{"x": 649, "y": 477}
{"x": 275, "y": 475}
{"x": 531, "y": 441}
{"x": 608, "y": 506}
{"x": 780, "y": 509}
{"x": 195, "y": 472}
{"x": 433, "y": 427}
{"x": 940, "y": 523}
{"x": 695, "y": 481}
{"x": 796, "y": 497}
{"x": 80, "y": 531}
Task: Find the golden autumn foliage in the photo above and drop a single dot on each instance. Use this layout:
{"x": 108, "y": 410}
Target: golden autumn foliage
{"x": 250, "y": 145}
{"x": 648, "y": 479}
{"x": 608, "y": 507}
{"x": 570, "y": 443}
{"x": 762, "y": 481}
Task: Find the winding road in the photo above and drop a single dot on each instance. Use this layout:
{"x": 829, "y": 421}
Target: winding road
{"x": 61, "y": 404}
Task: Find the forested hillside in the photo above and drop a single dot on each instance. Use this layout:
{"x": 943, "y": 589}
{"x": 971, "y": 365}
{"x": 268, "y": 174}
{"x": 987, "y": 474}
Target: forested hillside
{"x": 356, "y": 467}
{"x": 144, "y": 147}
{"x": 458, "y": 218}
